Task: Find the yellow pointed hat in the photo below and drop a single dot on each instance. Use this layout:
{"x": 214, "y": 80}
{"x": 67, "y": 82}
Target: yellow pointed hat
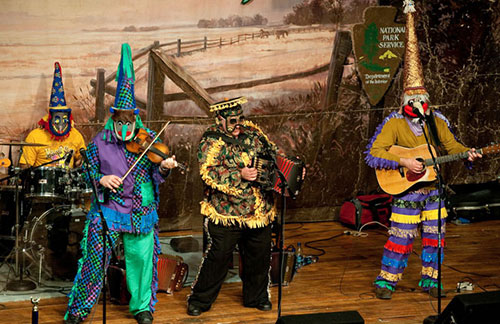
{"x": 413, "y": 76}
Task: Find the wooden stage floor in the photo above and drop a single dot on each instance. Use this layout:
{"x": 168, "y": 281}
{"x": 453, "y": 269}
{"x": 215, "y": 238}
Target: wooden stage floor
{"x": 340, "y": 281}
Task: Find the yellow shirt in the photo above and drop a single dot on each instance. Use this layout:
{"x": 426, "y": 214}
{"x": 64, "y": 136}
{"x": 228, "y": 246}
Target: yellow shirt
{"x": 53, "y": 149}
{"x": 397, "y": 132}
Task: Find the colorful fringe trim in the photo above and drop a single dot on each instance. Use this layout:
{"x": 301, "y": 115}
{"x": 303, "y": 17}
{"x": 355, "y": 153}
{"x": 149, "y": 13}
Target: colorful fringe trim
{"x": 376, "y": 162}
{"x": 429, "y": 272}
{"x": 258, "y": 220}
{"x": 432, "y": 242}
{"x": 403, "y": 233}
{"x": 431, "y": 257}
{"x": 394, "y": 263}
{"x": 405, "y": 219}
{"x": 248, "y": 123}
{"x": 427, "y": 284}
{"x": 403, "y": 249}
{"x": 383, "y": 284}
{"x": 212, "y": 154}
{"x": 390, "y": 276}
{"x": 433, "y": 214}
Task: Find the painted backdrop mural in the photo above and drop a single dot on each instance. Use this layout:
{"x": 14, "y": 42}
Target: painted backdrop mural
{"x": 275, "y": 52}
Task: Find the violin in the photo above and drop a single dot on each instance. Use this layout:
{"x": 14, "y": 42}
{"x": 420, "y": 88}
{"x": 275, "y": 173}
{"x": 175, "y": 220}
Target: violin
{"x": 156, "y": 153}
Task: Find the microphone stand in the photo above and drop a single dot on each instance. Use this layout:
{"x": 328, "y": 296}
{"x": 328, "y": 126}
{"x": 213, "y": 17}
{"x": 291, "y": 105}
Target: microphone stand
{"x": 284, "y": 188}
{"x": 105, "y": 233}
{"x": 432, "y": 318}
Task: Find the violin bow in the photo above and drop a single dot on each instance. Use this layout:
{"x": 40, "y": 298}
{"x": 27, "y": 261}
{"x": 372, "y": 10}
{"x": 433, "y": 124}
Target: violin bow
{"x": 144, "y": 152}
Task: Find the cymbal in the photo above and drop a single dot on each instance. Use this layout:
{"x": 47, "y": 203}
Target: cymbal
{"x": 21, "y": 143}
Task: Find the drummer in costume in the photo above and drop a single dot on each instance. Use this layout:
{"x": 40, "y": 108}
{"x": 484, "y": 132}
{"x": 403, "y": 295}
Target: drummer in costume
{"x": 236, "y": 211}
{"x": 129, "y": 207}
{"x": 56, "y": 131}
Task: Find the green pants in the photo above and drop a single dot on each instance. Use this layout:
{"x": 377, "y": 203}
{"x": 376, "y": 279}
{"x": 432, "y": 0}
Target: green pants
{"x": 138, "y": 256}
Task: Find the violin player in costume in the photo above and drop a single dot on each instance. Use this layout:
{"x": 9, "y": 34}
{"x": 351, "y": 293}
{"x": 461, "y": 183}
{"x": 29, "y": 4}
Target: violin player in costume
{"x": 129, "y": 207}
{"x": 235, "y": 211}
{"x": 417, "y": 205}
{"x": 56, "y": 131}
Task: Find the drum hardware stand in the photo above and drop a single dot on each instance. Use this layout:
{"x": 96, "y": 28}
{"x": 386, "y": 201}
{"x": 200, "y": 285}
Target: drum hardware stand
{"x": 21, "y": 284}
{"x": 105, "y": 233}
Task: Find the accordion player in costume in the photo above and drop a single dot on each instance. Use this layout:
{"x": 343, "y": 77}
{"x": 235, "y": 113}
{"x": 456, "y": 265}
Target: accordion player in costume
{"x": 236, "y": 209}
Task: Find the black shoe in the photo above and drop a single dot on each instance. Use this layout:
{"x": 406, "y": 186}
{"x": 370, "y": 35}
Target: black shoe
{"x": 434, "y": 292}
{"x": 263, "y": 306}
{"x": 383, "y": 293}
{"x": 72, "y": 319}
{"x": 144, "y": 317}
{"x": 194, "y": 310}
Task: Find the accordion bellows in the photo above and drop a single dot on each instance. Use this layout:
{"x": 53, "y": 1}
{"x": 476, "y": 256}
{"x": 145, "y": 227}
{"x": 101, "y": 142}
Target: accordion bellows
{"x": 290, "y": 167}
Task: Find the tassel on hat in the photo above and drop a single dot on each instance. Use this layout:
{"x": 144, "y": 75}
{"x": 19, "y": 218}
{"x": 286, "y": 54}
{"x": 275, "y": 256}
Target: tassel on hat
{"x": 413, "y": 77}
{"x": 125, "y": 76}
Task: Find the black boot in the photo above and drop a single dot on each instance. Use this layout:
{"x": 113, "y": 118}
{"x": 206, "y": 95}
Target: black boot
{"x": 144, "y": 317}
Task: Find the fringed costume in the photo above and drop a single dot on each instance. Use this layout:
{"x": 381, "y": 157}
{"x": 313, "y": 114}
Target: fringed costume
{"x": 130, "y": 212}
{"x": 411, "y": 208}
{"x": 236, "y": 211}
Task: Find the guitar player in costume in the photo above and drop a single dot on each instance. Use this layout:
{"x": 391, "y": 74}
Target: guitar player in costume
{"x": 129, "y": 207}
{"x": 418, "y": 205}
{"x": 236, "y": 211}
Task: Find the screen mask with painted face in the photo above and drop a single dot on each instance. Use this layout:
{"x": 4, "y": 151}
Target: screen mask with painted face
{"x": 60, "y": 121}
{"x": 124, "y": 129}
{"x": 233, "y": 121}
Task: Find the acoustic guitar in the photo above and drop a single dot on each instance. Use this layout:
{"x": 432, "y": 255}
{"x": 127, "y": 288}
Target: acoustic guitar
{"x": 400, "y": 180}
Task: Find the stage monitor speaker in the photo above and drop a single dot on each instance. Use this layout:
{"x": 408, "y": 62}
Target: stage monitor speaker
{"x": 349, "y": 317}
{"x": 475, "y": 308}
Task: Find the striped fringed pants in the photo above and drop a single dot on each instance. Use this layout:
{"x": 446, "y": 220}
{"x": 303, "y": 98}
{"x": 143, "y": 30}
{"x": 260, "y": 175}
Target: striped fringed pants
{"x": 88, "y": 280}
{"x": 408, "y": 211}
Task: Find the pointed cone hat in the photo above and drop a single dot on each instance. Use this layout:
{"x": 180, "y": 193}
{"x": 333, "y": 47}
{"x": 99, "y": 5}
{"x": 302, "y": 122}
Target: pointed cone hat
{"x": 57, "y": 98}
{"x": 413, "y": 77}
{"x": 125, "y": 76}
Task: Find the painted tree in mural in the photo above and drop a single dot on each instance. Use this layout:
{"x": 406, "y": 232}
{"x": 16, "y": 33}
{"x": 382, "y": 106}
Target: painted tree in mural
{"x": 316, "y": 12}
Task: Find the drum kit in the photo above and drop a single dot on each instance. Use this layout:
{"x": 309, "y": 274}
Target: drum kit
{"x": 37, "y": 206}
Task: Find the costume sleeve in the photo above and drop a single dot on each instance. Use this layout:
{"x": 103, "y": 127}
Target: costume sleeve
{"x": 217, "y": 172}
{"x": 447, "y": 138}
{"x": 94, "y": 165}
{"x": 377, "y": 155}
{"x": 30, "y": 154}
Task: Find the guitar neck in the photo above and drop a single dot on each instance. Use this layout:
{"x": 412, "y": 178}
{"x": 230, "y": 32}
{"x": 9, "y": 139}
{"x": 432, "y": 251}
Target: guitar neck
{"x": 449, "y": 158}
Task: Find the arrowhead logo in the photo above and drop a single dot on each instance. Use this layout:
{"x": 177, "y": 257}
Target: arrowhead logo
{"x": 379, "y": 45}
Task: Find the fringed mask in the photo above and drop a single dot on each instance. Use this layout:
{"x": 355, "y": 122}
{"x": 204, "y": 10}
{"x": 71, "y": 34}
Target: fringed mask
{"x": 60, "y": 121}
{"x": 416, "y": 101}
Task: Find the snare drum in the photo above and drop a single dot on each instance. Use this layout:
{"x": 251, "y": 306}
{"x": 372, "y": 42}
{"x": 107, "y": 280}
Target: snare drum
{"x": 47, "y": 183}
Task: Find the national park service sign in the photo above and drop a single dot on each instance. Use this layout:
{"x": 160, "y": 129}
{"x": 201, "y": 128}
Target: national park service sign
{"x": 379, "y": 45}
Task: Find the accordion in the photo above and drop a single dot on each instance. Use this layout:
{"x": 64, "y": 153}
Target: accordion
{"x": 268, "y": 179}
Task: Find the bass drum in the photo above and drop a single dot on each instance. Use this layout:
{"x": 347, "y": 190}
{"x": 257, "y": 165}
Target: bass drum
{"x": 7, "y": 220}
{"x": 55, "y": 236}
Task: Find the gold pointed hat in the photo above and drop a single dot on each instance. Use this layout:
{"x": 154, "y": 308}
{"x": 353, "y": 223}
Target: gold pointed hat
{"x": 413, "y": 77}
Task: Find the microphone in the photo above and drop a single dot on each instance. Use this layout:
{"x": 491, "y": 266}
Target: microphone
{"x": 417, "y": 112}
{"x": 69, "y": 155}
